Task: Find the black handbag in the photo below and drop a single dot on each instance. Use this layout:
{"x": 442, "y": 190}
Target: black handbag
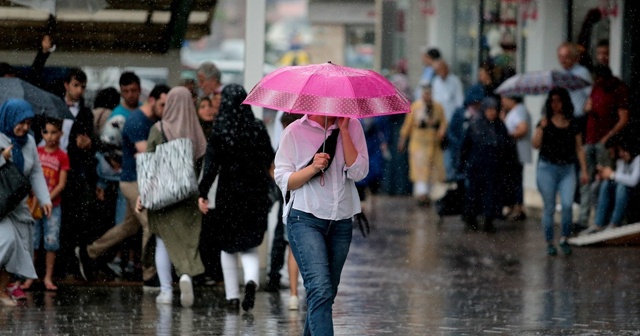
{"x": 14, "y": 187}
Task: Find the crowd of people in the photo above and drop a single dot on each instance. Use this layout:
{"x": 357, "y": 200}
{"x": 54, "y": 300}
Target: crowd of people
{"x": 86, "y": 198}
{"x": 86, "y": 165}
{"x": 483, "y": 139}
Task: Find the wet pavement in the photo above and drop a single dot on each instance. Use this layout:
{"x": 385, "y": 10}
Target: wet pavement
{"x": 411, "y": 276}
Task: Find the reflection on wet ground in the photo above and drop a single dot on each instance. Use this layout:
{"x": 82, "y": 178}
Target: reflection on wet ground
{"x": 411, "y": 276}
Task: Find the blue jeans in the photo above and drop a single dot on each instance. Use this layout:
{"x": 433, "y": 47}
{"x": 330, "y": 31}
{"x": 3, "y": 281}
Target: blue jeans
{"x": 553, "y": 179}
{"x": 621, "y": 196}
{"x": 121, "y": 208}
{"x": 595, "y": 154}
{"x": 49, "y": 229}
{"x": 320, "y": 248}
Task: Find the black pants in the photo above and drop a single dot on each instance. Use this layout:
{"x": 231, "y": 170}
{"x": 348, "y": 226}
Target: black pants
{"x": 278, "y": 249}
{"x": 79, "y": 222}
{"x": 209, "y": 251}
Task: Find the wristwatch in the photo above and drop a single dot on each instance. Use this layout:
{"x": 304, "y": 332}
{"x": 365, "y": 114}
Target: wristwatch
{"x": 612, "y": 176}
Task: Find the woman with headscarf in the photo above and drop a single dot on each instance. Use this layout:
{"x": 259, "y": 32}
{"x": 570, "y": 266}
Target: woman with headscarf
{"x": 487, "y": 149}
{"x": 16, "y": 238}
{"x": 239, "y": 150}
{"x": 177, "y": 227}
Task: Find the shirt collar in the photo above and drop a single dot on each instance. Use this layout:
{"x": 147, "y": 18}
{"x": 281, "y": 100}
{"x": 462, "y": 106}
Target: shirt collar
{"x": 312, "y": 123}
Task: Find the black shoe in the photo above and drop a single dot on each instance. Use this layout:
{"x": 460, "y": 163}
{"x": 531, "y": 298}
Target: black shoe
{"x": 249, "y": 296}
{"x": 233, "y": 304}
{"x": 565, "y": 248}
{"x": 271, "y": 287}
{"x": 471, "y": 223}
{"x": 85, "y": 263}
{"x": 488, "y": 226}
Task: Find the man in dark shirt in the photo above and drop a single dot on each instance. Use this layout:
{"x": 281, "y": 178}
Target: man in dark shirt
{"x": 134, "y": 140}
{"x": 607, "y": 114}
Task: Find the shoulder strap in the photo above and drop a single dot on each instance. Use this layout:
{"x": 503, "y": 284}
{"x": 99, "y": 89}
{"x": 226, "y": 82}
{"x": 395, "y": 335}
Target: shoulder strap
{"x": 330, "y": 144}
{"x": 164, "y": 137}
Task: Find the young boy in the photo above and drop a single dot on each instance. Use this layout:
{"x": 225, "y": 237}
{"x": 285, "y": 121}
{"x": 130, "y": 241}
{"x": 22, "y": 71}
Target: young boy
{"x": 55, "y": 165}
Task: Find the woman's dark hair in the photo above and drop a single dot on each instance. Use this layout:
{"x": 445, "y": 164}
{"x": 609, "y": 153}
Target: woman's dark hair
{"x": 203, "y": 99}
{"x": 567, "y": 105}
{"x": 516, "y": 99}
{"x": 628, "y": 142}
{"x": 108, "y": 98}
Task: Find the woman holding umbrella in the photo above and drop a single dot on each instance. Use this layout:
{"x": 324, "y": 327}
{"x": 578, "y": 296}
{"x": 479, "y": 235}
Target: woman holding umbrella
{"x": 322, "y": 201}
{"x": 17, "y": 146}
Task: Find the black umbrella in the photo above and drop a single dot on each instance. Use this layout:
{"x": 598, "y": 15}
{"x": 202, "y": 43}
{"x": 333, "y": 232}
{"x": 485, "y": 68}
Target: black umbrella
{"x": 41, "y": 101}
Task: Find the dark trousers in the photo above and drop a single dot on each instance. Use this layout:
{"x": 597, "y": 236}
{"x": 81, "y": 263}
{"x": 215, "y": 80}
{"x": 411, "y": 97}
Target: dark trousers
{"x": 78, "y": 224}
{"x": 278, "y": 248}
{"x": 209, "y": 251}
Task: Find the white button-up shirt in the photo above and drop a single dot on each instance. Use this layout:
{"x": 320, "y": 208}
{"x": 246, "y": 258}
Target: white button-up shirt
{"x": 338, "y": 198}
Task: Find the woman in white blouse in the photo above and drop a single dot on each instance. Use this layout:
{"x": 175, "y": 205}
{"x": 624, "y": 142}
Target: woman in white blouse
{"x": 322, "y": 199}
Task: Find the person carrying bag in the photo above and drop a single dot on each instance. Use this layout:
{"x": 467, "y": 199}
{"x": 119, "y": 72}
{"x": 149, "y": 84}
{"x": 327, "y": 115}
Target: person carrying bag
{"x": 173, "y": 146}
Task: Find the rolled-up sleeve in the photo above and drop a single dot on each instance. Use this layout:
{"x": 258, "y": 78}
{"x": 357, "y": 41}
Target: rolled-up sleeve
{"x": 360, "y": 168}
{"x": 285, "y": 160}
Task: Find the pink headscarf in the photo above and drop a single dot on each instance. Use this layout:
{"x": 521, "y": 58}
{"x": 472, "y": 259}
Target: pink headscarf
{"x": 180, "y": 120}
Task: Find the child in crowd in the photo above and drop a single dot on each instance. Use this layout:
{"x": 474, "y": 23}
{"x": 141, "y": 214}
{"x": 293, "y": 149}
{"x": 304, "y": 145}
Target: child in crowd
{"x": 55, "y": 165}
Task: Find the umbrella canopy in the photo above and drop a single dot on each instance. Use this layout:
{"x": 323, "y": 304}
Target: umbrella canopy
{"x": 330, "y": 90}
{"x": 41, "y": 101}
{"x": 53, "y": 6}
{"x": 540, "y": 82}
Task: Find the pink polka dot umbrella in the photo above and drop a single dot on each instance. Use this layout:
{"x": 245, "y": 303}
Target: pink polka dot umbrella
{"x": 330, "y": 90}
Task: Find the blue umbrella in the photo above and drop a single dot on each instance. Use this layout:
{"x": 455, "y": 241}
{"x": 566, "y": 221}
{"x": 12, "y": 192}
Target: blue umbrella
{"x": 41, "y": 101}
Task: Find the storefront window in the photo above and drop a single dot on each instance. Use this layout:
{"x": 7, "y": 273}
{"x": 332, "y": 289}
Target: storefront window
{"x": 465, "y": 57}
{"x": 500, "y": 35}
{"x": 359, "y": 52}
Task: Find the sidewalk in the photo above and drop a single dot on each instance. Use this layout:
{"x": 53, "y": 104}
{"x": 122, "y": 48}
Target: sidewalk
{"x": 533, "y": 203}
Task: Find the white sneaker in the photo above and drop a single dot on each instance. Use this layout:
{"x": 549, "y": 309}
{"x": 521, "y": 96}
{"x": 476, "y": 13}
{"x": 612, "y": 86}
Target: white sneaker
{"x": 294, "y": 302}
{"x": 165, "y": 298}
{"x": 186, "y": 291}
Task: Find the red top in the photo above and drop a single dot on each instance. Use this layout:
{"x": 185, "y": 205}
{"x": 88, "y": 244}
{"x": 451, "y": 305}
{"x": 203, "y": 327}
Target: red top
{"x": 52, "y": 164}
{"x": 606, "y": 99}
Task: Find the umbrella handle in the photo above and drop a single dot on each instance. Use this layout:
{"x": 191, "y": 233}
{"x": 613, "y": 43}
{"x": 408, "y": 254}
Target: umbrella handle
{"x": 325, "y": 133}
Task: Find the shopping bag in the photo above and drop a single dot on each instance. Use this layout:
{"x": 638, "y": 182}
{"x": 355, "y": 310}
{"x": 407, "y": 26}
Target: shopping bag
{"x": 166, "y": 176}
{"x": 14, "y": 187}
